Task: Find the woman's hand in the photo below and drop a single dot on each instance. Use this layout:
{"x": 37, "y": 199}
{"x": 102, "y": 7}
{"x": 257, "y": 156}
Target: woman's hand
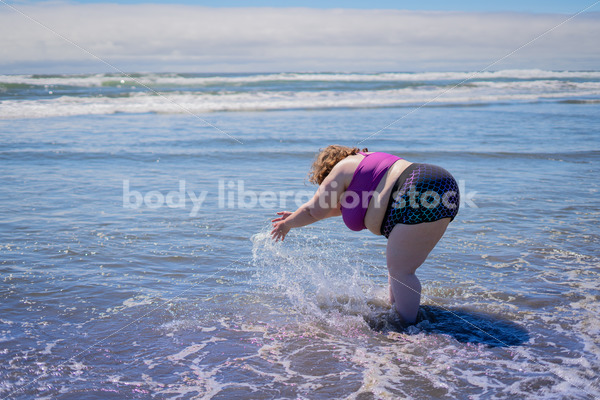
{"x": 284, "y": 215}
{"x": 280, "y": 229}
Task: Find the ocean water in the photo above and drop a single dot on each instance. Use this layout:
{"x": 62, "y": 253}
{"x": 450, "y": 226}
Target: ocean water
{"x": 135, "y": 260}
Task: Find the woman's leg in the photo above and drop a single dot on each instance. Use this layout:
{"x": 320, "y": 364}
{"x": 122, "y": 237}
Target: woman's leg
{"x": 407, "y": 248}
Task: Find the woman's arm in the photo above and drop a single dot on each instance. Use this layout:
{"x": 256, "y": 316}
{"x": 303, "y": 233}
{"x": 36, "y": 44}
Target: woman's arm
{"x": 324, "y": 204}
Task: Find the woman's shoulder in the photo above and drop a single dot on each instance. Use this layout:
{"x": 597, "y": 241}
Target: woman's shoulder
{"x": 353, "y": 159}
{"x": 348, "y": 165}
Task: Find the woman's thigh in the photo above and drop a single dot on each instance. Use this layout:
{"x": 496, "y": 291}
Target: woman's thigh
{"x": 409, "y": 245}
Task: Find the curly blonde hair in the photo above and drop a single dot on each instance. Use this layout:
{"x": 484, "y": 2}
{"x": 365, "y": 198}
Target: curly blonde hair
{"x": 327, "y": 159}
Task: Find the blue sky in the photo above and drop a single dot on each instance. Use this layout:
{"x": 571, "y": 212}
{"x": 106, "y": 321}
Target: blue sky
{"x": 241, "y": 36}
{"x": 548, "y": 6}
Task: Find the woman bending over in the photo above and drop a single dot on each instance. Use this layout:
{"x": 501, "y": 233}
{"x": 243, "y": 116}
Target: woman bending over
{"x": 411, "y": 204}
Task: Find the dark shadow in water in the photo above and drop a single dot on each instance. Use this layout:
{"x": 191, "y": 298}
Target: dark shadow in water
{"x": 463, "y": 325}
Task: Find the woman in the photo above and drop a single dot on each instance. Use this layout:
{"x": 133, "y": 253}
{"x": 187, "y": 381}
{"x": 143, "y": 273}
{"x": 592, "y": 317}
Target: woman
{"x": 410, "y": 204}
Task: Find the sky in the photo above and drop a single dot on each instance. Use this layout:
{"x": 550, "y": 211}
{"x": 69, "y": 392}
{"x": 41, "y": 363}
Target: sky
{"x": 547, "y": 6}
{"x": 274, "y": 36}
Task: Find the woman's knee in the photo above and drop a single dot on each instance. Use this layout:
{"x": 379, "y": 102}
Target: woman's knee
{"x": 408, "y": 280}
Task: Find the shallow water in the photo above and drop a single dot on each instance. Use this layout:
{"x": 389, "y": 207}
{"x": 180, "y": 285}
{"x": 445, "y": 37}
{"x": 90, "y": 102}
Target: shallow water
{"x": 104, "y": 300}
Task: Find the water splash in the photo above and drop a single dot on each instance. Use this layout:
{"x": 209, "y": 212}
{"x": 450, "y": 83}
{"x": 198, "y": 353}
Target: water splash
{"x": 320, "y": 279}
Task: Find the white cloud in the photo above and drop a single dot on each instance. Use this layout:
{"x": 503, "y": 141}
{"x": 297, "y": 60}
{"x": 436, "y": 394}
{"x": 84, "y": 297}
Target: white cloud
{"x": 197, "y": 39}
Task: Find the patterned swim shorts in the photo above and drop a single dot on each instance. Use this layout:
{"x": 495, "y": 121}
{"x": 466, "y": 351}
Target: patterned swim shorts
{"x": 423, "y": 193}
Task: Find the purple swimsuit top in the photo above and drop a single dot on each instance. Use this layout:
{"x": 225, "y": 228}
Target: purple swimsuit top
{"x": 366, "y": 177}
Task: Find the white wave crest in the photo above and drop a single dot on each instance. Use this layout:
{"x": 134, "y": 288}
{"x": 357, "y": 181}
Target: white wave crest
{"x": 202, "y": 102}
{"x": 97, "y": 80}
